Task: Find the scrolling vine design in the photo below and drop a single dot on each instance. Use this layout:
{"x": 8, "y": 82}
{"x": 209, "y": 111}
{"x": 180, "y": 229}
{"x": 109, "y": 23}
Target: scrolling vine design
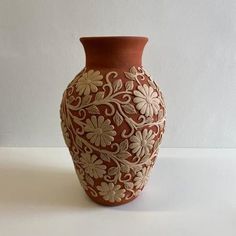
{"x": 113, "y": 125}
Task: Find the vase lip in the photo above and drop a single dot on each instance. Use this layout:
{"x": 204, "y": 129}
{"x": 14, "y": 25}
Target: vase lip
{"x": 113, "y": 51}
{"x": 120, "y": 37}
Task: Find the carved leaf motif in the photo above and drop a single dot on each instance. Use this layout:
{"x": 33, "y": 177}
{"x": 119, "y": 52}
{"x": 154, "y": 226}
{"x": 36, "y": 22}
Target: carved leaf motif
{"x": 105, "y": 157}
{"x": 99, "y": 96}
{"x": 123, "y": 155}
{"x": 124, "y": 168}
{"x": 118, "y": 119}
{"x": 117, "y": 85}
{"x": 156, "y": 145}
{"x": 129, "y": 108}
{"x": 89, "y": 180}
{"x": 129, "y": 85}
{"x": 162, "y": 125}
{"x": 78, "y": 141}
{"x": 71, "y": 99}
{"x": 160, "y": 138}
{"x": 160, "y": 114}
{"x": 130, "y": 75}
{"x": 152, "y": 84}
{"x": 137, "y": 168}
{"x": 86, "y": 100}
{"x": 113, "y": 170}
{"x": 148, "y": 162}
{"x": 133, "y": 70}
{"x": 129, "y": 185}
{"x": 146, "y": 73}
{"x": 149, "y": 119}
{"x": 124, "y": 145}
{"x": 93, "y": 110}
{"x": 145, "y": 158}
{"x": 76, "y": 120}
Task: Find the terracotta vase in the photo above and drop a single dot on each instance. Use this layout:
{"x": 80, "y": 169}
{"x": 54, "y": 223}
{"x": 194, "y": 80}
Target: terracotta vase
{"x": 113, "y": 118}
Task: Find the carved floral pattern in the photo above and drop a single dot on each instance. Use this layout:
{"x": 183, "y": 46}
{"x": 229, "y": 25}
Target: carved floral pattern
{"x": 100, "y": 131}
{"x": 141, "y": 178}
{"x": 111, "y": 192}
{"x": 89, "y": 82}
{"x": 92, "y": 165}
{"x": 142, "y": 142}
{"x": 113, "y": 124}
{"x": 147, "y": 100}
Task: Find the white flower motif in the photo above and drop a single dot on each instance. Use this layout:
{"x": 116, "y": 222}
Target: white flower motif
{"x": 111, "y": 192}
{"x": 147, "y": 100}
{"x": 142, "y": 142}
{"x": 100, "y": 131}
{"x": 89, "y": 81}
{"x": 141, "y": 178}
{"x": 92, "y": 165}
{"x": 65, "y": 134}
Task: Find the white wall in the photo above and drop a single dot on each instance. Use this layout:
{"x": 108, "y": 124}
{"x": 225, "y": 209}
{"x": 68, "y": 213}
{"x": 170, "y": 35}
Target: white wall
{"x": 191, "y": 53}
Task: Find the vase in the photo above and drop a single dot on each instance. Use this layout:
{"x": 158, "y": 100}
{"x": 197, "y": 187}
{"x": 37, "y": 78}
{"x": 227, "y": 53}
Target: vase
{"x": 113, "y": 118}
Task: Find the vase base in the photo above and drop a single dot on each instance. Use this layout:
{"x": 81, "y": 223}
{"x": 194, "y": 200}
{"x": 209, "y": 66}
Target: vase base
{"x": 101, "y": 201}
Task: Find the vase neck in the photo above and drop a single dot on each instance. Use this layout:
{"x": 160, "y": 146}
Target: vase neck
{"x": 113, "y": 52}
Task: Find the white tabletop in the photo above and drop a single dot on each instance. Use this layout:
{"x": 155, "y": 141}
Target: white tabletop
{"x": 190, "y": 192}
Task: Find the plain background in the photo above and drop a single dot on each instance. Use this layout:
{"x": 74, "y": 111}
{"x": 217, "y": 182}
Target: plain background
{"x": 191, "y": 54}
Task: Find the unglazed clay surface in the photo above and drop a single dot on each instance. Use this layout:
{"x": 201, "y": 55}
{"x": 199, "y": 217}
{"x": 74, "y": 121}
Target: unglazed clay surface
{"x": 113, "y": 122}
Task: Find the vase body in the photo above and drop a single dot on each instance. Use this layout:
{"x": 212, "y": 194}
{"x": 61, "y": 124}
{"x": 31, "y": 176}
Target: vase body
{"x": 113, "y": 119}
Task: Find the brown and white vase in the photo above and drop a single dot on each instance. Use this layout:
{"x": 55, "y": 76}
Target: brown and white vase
{"x": 113, "y": 118}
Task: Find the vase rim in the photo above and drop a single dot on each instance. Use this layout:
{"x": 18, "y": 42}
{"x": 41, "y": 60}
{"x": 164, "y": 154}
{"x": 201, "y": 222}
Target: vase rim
{"x": 113, "y": 51}
{"x": 114, "y": 37}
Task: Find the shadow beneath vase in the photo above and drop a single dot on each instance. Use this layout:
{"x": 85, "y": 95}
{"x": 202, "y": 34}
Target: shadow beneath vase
{"x": 38, "y": 187}
{"x": 32, "y": 186}
{"x": 174, "y": 185}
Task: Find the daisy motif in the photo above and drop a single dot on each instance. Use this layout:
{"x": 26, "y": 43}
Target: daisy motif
{"x": 99, "y": 131}
{"x": 142, "y": 142}
{"x": 141, "y": 178}
{"x": 146, "y": 100}
{"x": 92, "y": 165}
{"x": 111, "y": 192}
{"x": 89, "y": 81}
